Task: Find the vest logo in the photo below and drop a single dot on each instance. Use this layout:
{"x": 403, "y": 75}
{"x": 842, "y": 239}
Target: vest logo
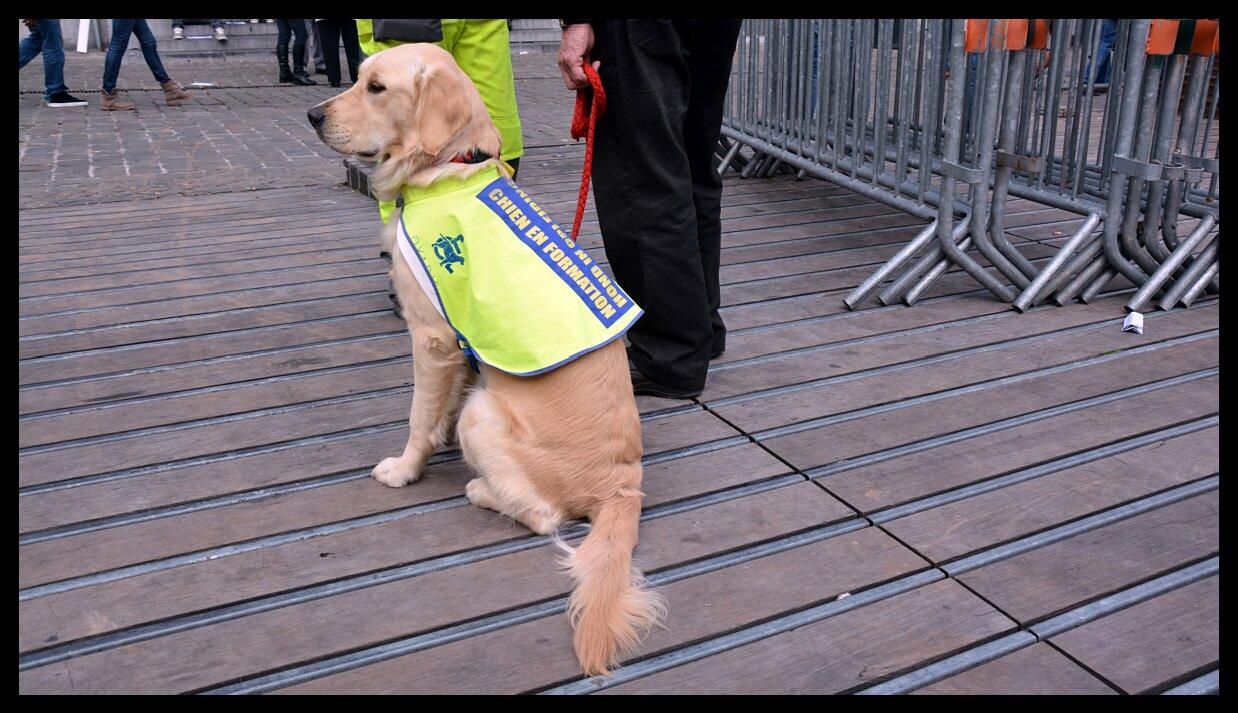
{"x": 447, "y": 250}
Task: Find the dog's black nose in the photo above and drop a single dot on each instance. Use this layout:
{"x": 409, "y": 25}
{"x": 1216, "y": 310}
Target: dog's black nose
{"x": 316, "y": 116}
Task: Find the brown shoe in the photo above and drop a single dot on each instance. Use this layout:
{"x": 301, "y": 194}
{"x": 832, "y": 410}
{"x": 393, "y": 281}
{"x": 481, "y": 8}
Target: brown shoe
{"x": 174, "y": 93}
{"x": 113, "y": 102}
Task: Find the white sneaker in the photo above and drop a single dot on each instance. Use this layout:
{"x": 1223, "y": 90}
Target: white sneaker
{"x": 178, "y": 33}
{"x": 253, "y": 22}
{"x": 220, "y": 34}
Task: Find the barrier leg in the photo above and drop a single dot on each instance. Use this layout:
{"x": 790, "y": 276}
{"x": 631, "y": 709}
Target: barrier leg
{"x": 1163, "y": 273}
{"x": 1027, "y": 298}
{"x": 865, "y": 288}
{"x": 1188, "y": 281}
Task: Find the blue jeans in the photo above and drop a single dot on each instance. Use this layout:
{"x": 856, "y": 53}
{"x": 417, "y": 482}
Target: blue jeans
{"x": 121, "y": 29}
{"x": 45, "y": 38}
{"x": 1103, "y": 53}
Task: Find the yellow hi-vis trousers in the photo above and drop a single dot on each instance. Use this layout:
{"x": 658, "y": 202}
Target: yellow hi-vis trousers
{"x": 481, "y": 49}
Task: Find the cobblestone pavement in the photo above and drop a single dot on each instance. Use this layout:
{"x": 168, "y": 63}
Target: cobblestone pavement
{"x": 245, "y": 132}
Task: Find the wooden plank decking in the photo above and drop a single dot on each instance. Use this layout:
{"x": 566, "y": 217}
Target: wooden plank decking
{"x": 205, "y": 383}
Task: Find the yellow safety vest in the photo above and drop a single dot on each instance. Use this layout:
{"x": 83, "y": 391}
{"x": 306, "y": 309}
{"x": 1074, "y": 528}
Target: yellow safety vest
{"x": 521, "y": 295}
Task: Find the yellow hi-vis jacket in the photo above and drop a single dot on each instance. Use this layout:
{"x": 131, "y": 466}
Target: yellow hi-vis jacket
{"x": 521, "y": 296}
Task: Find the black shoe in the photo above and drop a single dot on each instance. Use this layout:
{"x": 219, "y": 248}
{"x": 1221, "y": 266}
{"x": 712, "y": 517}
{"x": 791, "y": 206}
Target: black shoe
{"x": 336, "y": 85}
{"x": 303, "y": 80}
{"x": 59, "y": 100}
{"x": 285, "y": 77}
{"x": 642, "y": 386}
{"x": 320, "y": 70}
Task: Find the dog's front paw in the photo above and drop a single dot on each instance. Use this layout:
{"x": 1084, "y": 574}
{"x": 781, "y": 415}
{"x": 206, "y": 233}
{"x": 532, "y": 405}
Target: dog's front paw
{"x": 479, "y": 493}
{"x": 395, "y": 472}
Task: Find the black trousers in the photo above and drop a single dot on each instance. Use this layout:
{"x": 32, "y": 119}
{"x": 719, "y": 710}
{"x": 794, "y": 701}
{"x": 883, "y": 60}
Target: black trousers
{"x": 659, "y": 198}
{"x": 331, "y": 31}
{"x": 295, "y": 29}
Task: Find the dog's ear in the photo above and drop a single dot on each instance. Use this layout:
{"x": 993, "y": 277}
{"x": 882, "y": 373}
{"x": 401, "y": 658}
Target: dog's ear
{"x": 443, "y": 109}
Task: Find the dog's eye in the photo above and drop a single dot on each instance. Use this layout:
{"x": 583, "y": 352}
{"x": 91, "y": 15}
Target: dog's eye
{"x": 376, "y": 88}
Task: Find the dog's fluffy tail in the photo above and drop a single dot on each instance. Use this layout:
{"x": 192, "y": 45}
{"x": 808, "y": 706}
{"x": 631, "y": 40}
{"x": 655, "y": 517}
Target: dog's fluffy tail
{"x": 610, "y": 608}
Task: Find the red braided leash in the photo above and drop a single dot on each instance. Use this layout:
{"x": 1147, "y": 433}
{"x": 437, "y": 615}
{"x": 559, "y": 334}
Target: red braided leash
{"x": 590, "y": 104}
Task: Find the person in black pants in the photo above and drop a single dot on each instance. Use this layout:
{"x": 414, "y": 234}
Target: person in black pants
{"x": 298, "y": 30}
{"x": 320, "y": 64}
{"x": 331, "y": 31}
{"x": 658, "y": 196}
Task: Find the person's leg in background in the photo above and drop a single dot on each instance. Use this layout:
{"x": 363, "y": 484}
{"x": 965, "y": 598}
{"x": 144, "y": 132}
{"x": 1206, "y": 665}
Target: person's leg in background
{"x": 712, "y": 51}
{"x": 816, "y": 61}
{"x": 51, "y": 45}
{"x": 121, "y": 30}
{"x": 173, "y": 93}
{"x": 329, "y": 31}
{"x": 300, "y": 35}
{"x": 284, "y": 28}
{"x": 352, "y": 47}
{"x": 178, "y": 29}
{"x": 320, "y": 65}
{"x": 30, "y": 46}
{"x": 218, "y": 27}
{"x": 312, "y": 33}
{"x": 1104, "y": 52}
{"x": 646, "y": 205}
{"x": 112, "y": 101}
{"x": 150, "y": 50}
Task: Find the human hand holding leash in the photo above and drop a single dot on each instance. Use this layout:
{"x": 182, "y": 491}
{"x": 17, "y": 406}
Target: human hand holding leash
{"x": 574, "y": 49}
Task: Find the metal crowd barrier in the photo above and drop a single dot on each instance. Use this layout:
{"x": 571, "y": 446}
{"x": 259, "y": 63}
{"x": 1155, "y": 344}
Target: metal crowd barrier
{"x": 947, "y": 119}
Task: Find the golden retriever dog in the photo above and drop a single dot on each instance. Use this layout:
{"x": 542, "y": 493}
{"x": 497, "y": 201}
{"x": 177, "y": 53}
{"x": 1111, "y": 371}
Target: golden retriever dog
{"x": 411, "y": 111}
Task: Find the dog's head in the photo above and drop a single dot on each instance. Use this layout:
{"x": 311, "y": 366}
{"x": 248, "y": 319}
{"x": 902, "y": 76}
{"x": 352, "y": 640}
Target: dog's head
{"x": 411, "y": 108}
